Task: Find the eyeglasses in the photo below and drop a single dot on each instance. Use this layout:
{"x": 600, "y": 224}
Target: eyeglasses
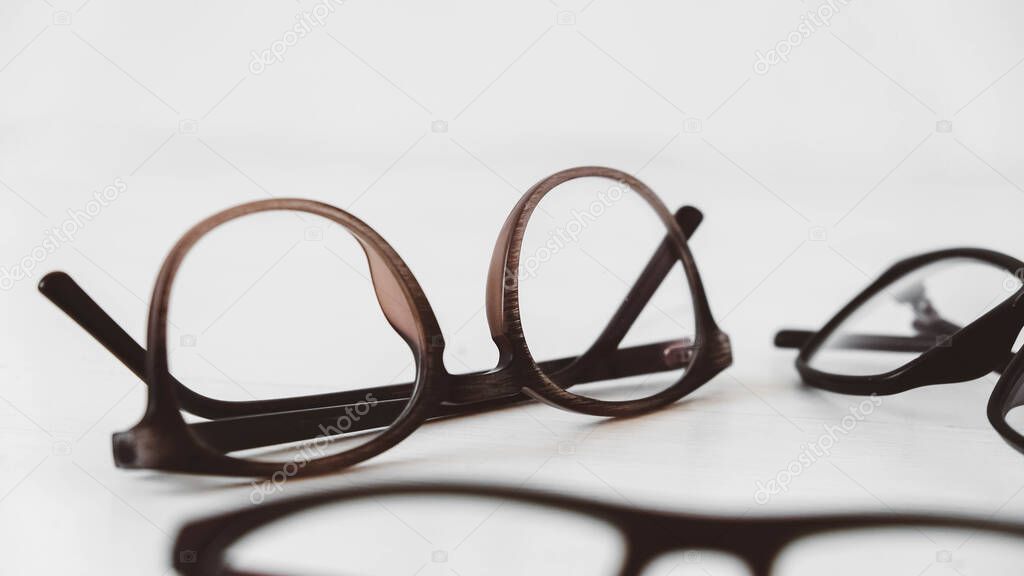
{"x": 380, "y": 417}
{"x": 942, "y": 317}
{"x": 480, "y": 530}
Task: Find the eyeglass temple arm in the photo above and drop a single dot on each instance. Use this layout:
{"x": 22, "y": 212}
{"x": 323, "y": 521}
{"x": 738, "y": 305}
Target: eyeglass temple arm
{"x": 646, "y": 285}
{"x": 873, "y": 342}
{"x": 921, "y": 343}
{"x": 67, "y": 295}
{"x": 368, "y": 410}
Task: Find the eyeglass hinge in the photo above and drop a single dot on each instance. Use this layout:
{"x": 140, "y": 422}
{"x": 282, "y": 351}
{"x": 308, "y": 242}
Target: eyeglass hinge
{"x": 679, "y": 353}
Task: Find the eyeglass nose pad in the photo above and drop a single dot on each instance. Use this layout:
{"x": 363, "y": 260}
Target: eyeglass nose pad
{"x": 501, "y": 279}
{"x": 911, "y": 294}
{"x": 390, "y": 296}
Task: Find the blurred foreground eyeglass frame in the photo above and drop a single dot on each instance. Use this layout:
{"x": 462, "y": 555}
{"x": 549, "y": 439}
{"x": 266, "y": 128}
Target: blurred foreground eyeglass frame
{"x": 947, "y": 355}
{"x": 164, "y": 441}
{"x": 201, "y": 546}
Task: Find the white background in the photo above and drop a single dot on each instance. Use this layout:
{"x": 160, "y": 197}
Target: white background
{"x": 813, "y": 178}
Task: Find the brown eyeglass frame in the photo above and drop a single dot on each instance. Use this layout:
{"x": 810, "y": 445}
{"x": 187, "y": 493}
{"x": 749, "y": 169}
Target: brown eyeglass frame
{"x": 201, "y": 546}
{"x": 163, "y": 440}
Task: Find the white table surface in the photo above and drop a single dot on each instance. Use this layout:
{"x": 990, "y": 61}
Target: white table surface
{"x": 813, "y": 178}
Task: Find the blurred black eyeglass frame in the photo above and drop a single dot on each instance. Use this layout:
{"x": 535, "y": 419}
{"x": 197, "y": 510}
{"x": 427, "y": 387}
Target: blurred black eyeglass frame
{"x": 163, "y": 440}
{"x": 201, "y": 546}
{"x": 948, "y": 353}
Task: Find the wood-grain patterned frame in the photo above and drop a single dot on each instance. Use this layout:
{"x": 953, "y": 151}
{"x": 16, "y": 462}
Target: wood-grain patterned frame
{"x": 163, "y": 440}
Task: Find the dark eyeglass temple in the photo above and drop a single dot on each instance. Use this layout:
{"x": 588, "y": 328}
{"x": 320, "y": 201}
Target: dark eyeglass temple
{"x": 797, "y": 339}
{"x": 792, "y": 339}
{"x": 932, "y": 330}
{"x": 875, "y": 342}
{"x": 646, "y": 285}
{"x": 64, "y": 292}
